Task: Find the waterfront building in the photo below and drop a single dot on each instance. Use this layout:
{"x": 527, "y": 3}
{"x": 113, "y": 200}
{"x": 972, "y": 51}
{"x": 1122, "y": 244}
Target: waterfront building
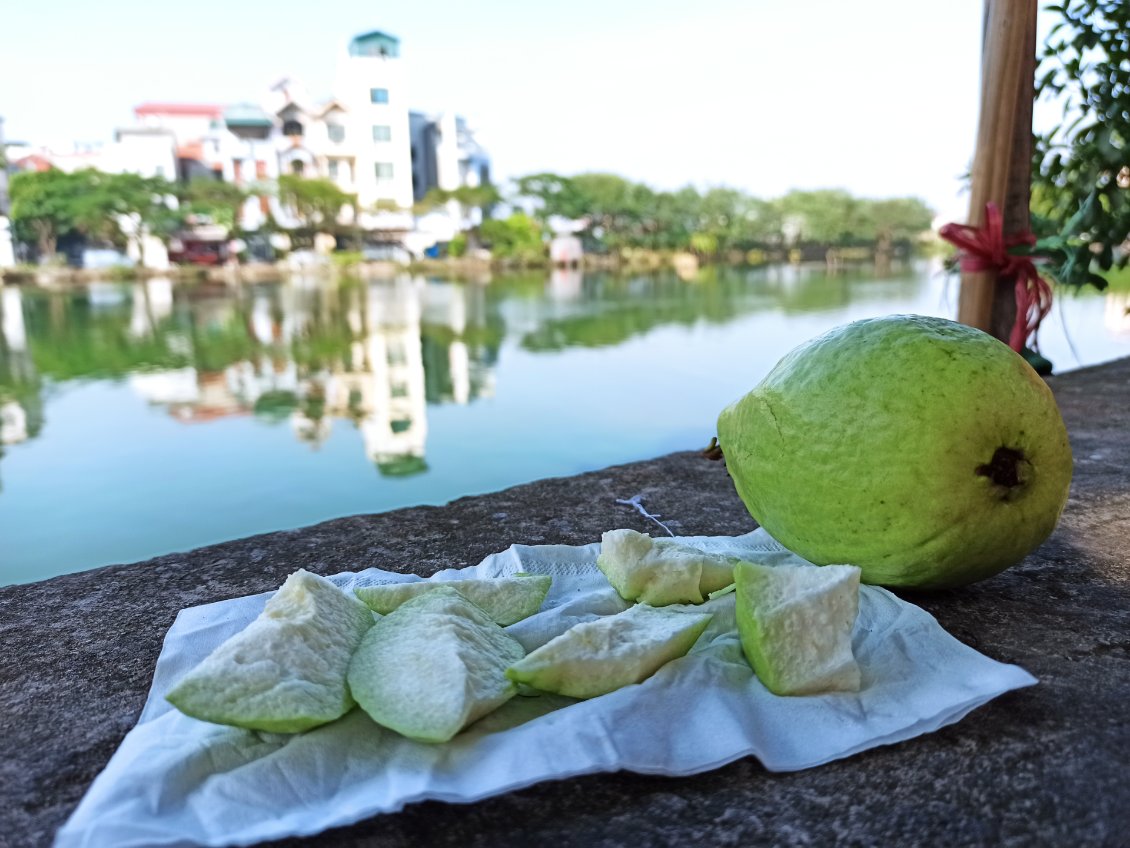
{"x": 363, "y": 138}
{"x": 311, "y": 139}
{"x": 148, "y": 151}
{"x": 372, "y": 96}
{"x": 246, "y": 155}
{"x": 446, "y": 154}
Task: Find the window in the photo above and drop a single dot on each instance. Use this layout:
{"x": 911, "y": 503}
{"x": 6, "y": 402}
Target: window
{"x": 378, "y": 95}
{"x": 333, "y": 169}
{"x": 297, "y": 167}
{"x": 292, "y": 128}
{"x": 382, "y": 133}
{"x": 337, "y": 133}
{"x": 383, "y": 170}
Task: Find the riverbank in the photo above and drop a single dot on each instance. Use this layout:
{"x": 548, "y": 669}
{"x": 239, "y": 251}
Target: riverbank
{"x": 686, "y": 265}
{"x": 1043, "y": 766}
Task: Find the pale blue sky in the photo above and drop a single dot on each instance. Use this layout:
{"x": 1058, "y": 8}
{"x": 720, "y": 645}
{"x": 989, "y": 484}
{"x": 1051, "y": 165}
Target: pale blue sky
{"x": 876, "y": 96}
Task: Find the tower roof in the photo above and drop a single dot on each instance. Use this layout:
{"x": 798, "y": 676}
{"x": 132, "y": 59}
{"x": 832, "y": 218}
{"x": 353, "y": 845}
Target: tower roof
{"x": 375, "y": 43}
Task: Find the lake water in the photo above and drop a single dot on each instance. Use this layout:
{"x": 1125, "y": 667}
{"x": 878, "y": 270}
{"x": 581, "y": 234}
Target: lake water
{"x": 139, "y": 419}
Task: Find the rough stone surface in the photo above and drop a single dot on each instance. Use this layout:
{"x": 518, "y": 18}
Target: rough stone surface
{"x": 1046, "y": 765}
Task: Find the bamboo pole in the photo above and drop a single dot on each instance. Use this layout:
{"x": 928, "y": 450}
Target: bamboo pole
{"x": 1002, "y": 160}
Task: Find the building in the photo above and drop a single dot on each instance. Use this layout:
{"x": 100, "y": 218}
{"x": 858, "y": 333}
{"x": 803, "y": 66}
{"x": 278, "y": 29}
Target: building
{"x": 445, "y": 154}
{"x": 148, "y": 151}
{"x": 192, "y": 126}
{"x": 363, "y": 138}
{"x": 246, "y": 155}
{"x": 372, "y": 101}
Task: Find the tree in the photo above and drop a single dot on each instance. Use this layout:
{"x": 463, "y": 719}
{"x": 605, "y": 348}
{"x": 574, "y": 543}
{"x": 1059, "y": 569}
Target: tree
{"x": 476, "y": 197}
{"x": 620, "y": 214}
{"x": 553, "y": 195}
{"x": 43, "y": 207}
{"x": 826, "y": 216}
{"x": 1081, "y": 168}
{"x": 516, "y": 237}
{"x": 220, "y": 202}
{"x": 317, "y": 202}
{"x": 898, "y": 219}
{"x": 48, "y": 205}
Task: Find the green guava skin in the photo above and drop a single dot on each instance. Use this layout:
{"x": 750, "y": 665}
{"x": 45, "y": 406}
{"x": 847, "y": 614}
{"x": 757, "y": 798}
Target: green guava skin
{"x": 924, "y": 451}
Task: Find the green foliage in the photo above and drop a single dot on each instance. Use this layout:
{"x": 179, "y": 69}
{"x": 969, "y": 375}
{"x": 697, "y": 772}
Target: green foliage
{"x": 48, "y": 205}
{"x": 317, "y": 202}
{"x": 469, "y": 197}
{"x": 825, "y": 217}
{"x": 1081, "y": 168}
{"x": 215, "y": 200}
{"x": 623, "y": 215}
{"x": 517, "y": 237}
{"x": 347, "y": 258}
{"x": 42, "y": 208}
{"x": 69, "y": 339}
{"x": 275, "y": 405}
{"x": 457, "y": 246}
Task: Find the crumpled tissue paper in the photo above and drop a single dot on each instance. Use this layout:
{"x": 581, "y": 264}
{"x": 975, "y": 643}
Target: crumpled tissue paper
{"x": 178, "y": 781}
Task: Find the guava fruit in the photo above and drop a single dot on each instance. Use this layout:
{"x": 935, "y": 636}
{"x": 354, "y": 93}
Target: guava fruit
{"x": 505, "y": 599}
{"x": 795, "y": 625}
{"x": 925, "y": 452}
{"x": 660, "y": 571}
{"x": 285, "y": 672}
{"x": 432, "y": 666}
{"x": 597, "y": 657}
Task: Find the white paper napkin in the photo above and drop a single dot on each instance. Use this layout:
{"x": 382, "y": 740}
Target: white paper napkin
{"x": 178, "y": 781}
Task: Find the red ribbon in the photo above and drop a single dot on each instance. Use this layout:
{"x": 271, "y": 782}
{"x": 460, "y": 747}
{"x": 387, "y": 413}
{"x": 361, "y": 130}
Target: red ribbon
{"x": 985, "y": 248}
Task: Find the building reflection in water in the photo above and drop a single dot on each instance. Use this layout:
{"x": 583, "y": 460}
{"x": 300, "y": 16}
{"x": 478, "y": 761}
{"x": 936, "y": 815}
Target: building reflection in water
{"x": 21, "y": 397}
{"x": 311, "y": 355}
{"x": 374, "y": 354}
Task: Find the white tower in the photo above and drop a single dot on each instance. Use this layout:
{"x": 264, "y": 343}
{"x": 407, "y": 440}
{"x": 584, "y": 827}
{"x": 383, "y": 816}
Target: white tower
{"x": 371, "y": 87}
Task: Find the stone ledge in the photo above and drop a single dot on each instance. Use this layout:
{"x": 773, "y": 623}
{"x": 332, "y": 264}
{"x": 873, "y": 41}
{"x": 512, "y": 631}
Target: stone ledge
{"x": 1042, "y": 766}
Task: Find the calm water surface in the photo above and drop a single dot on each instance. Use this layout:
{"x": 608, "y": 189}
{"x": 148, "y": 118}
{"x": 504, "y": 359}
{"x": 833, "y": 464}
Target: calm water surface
{"x": 139, "y": 419}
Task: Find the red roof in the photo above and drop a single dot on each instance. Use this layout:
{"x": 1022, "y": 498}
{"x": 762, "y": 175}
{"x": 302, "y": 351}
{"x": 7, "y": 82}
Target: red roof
{"x": 33, "y": 162}
{"x": 205, "y": 110}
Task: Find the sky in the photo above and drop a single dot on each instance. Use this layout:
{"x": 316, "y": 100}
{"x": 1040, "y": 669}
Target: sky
{"x": 879, "y": 97}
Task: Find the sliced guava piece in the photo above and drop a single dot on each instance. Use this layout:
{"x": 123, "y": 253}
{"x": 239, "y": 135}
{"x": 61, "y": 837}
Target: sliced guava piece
{"x": 284, "y": 672}
{"x": 505, "y": 599}
{"x": 795, "y": 624}
{"x": 432, "y": 666}
{"x": 597, "y": 657}
{"x": 658, "y": 572}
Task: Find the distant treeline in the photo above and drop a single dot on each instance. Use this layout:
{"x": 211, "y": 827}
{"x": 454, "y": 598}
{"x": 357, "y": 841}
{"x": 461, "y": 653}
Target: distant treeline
{"x": 622, "y": 214}
{"x": 610, "y": 214}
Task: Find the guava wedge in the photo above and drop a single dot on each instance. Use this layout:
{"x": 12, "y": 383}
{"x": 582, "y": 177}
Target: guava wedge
{"x": 795, "y": 625}
{"x": 658, "y": 572}
{"x": 598, "y": 657}
{"x": 285, "y": 672}
{"x": 432, "y": 666}
{"x": 505, "y": 599}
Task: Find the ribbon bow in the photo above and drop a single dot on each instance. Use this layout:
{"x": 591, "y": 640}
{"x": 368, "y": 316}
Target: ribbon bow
{"x": 986, "y": 248}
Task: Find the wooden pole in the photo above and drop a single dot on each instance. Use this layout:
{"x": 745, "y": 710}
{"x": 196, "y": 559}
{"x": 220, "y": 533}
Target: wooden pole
{"x": 1002, "y": 160}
